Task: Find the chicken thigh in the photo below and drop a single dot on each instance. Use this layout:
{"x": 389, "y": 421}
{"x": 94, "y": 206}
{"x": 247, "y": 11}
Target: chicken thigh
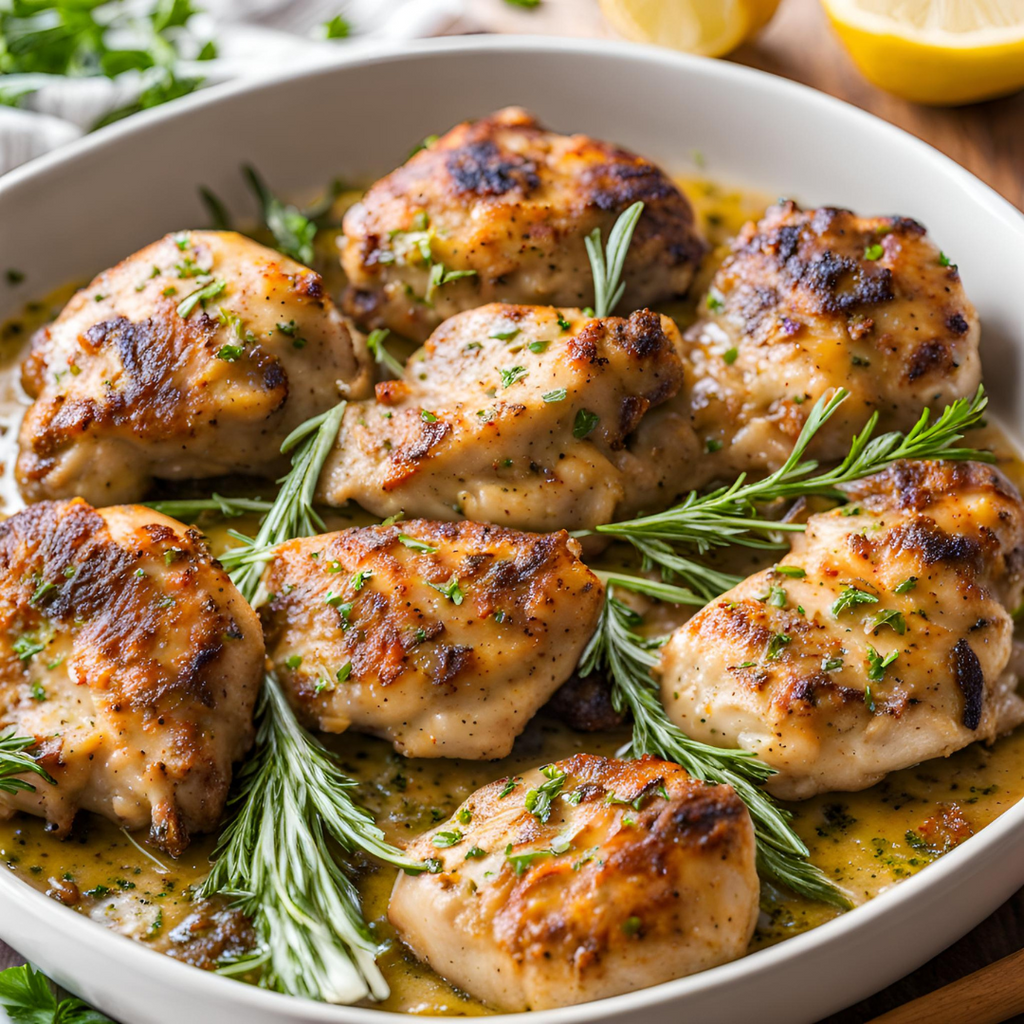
{"x": 497, "y": 210}
{"x": 131, "y": 659}
{"x": 444, "y": 638}
{"x": 195, "y": 357}
{"x": 517, "y": 415}
{"x": 584, "y": 879}
{"x": 882, "y": 640}
{"x": 809, "y": 301}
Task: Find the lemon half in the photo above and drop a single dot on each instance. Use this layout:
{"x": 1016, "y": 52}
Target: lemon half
{"x": 709, "y": 27}
{"x": 940, "y": 52}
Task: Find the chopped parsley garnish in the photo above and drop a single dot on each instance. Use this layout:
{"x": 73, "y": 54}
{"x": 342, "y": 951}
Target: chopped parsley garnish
{"x": 891, "y": 617}
{"x": 427, "y": 416}
{"x": 584, "y": 423}
{"x": 632, "y": 925}
{"x": 450, "y": 588}
{"x": 831, "y": 664}
{"x": 475, "y": 853}
{"x": 439, "y": 276}
{"x": 776, "y": 645}
{"x": 505, "y": 335}
{"x": 730, "y": 355}
{"x": 538, "y": 801}
{"x": 510, "y": 783}
{"x": 775, "y": 596}
{"x": 359, "y": 578}
{"x": 558, "y": 395}
{"x": 416, "y": 545}
{"x": 42, "y": 589}
{"x": 874, "y": 251}
{"x": 714, "y": 301}
{"x": 230, "y": 353}
{"x": 337, "y": 28}
{"x": 464, "y": 816}
{"x": 522, "y": 861}
{"x": 944, "y": 261}
{"x": 563, "y": 323}
{"x": 294, "y": 661}
{"x": 27, "y": 645}
{"x": 869, "y": 700}
{"x": 712, "y": 444}
{"x": 38, "y": 692}
{"x": 511, "y": 375}
{"x": 877, "y": 664}
{"x": 536, "y": 347}
{"x": 792, "y": 571}
{"x": 445, "y": 839}
{"x": 850, "y": 598}
{"x": 200, "y": 296}
{"x": 906, "y": 586}
{"x": 343, "y": 673}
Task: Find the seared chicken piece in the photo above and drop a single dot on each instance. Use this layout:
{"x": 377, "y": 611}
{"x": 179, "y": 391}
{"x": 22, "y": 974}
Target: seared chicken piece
{"x": 810, "y": 301}
{"x": 444, "y": 638}
{"x": 497, "y": 210}
{"x": 516, "y": 415}
{"x": 193, "y": 358}
{"x": 634, "y": 874}
{"x": 129, "y": 656}
{"x": 880, "y": 641}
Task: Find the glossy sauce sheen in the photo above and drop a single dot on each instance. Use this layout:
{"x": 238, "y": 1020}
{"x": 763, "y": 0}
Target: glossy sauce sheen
{"x": 866, "y": 841}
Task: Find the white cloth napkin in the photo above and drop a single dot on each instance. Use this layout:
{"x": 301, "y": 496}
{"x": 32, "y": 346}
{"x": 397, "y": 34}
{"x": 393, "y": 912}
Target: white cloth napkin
{"x": 254, "y": 38}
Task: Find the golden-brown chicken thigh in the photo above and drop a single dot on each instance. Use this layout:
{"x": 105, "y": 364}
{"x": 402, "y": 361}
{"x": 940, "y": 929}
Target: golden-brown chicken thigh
{"x": 582, "y": 880}
{"x": 192, "y": 358}
{"x": 497, "y": 210}
{"x": 130, "y": 658}
{"x": 444, "y": 638}
{"x": 809, "y": 301}
{"x": 517, "y": 415}
{"x": 882, "y": 640}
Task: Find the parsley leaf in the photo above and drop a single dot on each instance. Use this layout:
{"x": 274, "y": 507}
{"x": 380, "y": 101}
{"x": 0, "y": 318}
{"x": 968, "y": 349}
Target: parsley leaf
{"x": 538, "y": 801}
{"x": 877, "y": 664}
{"x": 584, "y": 423}
{"x": 850, "y": 598}
{"x": 450, "y": 589}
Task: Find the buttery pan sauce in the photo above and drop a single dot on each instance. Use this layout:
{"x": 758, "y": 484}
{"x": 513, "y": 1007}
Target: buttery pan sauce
{"x": 865, "y": 841}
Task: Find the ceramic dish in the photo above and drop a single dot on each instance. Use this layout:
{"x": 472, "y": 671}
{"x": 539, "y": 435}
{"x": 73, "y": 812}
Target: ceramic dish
{"x": 64, "y": 217}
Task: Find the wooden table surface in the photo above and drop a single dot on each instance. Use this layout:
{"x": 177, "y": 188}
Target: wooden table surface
{"x": 987, "y": 139}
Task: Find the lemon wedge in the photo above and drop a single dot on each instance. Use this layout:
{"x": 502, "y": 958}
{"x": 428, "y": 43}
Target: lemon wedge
{"x": 709, "y": 27}
{"x": 940, "y": 52}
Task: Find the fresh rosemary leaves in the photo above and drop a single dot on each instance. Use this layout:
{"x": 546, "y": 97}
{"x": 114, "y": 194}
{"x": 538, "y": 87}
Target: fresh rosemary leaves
{"x": 15, "y": 760}
{"x": 292, "y": 808}
{"x": 731, "y": 515}
{"x": 628, "y": 658}
{"x": 607, "y": 264}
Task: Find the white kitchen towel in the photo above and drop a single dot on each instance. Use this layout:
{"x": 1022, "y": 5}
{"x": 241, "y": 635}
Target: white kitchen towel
{"x": 254, "y": 38}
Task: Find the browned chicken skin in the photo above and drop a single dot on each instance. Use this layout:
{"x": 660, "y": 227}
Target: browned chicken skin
{"x": 809, "y": 301}
{"x": 518, "y": 415}
{"x": 509, "y": 204}
{"x": 130, "y": 657}
{"x": 882, "y": 640}
{"x": 136, "y": 380}
{"x": 640, "y": 874}
{"x": 444, "y": 638}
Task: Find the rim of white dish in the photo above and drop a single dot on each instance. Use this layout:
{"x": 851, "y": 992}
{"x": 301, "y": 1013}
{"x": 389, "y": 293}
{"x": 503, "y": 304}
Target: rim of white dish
{"x": 834, "y": 932}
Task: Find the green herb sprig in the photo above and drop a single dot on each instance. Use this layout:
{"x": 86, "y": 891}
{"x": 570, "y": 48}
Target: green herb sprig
{"x": 16, "y": 760}
{"x": 733, "y": 514}
{"x": 191, "y": 509}
{"x": 627, "y": 658}
{"x": 606, "y": 264}
{"x": 27, "y": 997}
{"x": 292, "y": 805}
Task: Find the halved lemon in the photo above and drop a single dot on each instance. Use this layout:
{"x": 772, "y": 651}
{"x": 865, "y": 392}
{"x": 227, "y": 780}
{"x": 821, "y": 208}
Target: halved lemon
{"x": 709, "y": 27}
{"x": 941, "y": 52}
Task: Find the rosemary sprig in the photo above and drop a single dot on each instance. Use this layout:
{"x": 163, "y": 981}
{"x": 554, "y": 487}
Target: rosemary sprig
{"x": 628, "y": 658}
{"x": 292, "y": 513}
{"x": 292, "y": 803}
{"x": 606, "y": 265}
{"x": 192, "y": 508}
{"x": 377, "y": 348}
{"x": 277, "y": 858}
{"x": 731, "y": 515}
{"x": 15, "y": 760}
